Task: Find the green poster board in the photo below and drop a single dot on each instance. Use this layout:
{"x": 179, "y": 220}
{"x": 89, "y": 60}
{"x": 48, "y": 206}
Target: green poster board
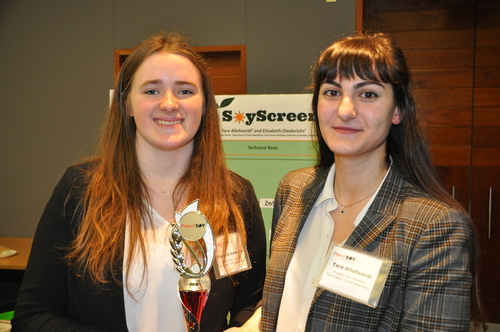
{"x": 264, "y": 137}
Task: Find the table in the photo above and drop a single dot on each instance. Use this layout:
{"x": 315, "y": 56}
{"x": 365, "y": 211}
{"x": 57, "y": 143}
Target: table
{"x": 23, "y": 247}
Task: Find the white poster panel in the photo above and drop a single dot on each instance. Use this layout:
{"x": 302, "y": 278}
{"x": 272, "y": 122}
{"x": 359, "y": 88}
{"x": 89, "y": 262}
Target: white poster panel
{"x": 266, "y": 117}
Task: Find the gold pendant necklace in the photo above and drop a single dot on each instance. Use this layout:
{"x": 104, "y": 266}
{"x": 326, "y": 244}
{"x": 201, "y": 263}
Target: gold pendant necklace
{"x": 344, "y": 206}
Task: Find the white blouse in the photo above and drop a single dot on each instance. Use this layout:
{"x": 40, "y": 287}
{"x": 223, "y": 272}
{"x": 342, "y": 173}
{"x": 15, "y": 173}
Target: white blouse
{"x": 309, "y": 257}
{"x": 155, "y": 304}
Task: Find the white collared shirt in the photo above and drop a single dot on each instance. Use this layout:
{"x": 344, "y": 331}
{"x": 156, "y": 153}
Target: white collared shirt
{"x": 156, "y": 305}
{"x": 309, "y": 257}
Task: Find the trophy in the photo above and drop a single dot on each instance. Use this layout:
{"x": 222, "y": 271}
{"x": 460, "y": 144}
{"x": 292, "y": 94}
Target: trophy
{"x": 192, "y": 260}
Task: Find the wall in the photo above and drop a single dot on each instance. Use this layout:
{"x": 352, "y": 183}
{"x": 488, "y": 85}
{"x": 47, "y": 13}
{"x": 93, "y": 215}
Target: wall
{"x": 438, "y": 40}
{"x": 56, "y": 67}
{"x": 452, "y": 47}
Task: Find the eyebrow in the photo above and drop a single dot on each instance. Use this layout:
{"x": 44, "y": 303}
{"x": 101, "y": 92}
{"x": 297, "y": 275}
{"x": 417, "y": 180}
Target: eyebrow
{"x": 358, "y": 85}
{"x": 185, "y": 82}
{"x": 365, "y": 83}
{"x": 157, "y": 81}
{"x": 160, "y": 81}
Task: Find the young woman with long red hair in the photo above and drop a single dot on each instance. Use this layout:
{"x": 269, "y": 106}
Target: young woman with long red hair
{"x": 101, "y": 256}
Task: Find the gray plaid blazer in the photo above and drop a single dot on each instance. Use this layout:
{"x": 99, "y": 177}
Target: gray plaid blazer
{"x": 429, "y": 242}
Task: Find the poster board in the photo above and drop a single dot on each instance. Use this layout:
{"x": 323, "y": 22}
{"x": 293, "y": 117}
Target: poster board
{"x": 264, "y": 137}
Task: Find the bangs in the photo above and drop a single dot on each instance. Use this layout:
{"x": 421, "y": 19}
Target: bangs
{"x": 352, "y": 58}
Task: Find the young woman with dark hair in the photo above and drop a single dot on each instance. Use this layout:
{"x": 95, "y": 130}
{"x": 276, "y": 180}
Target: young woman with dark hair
{"x": 374, "y": 191}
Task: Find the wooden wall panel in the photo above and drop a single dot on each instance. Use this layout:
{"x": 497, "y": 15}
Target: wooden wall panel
{"x": 443, "y": 116}
{"x": 486, "y": 156}
{"x": 438, "y": 38}
{"x": 486, "y": 150}
{"x": 486, "y": 97}
{"x": 486, "y": 77}
{"x": 441, "y": 58}
{"x": 443, "y": 78}
{"x": 227, "y": 67}
{"x": 486, "y": 125}
{"x": 418, "y": 19}
{"x": 451, "y": 155}
{"x": 449, "y": 97}
{"x": 456, "y": 180}
{"x": 119, "y": 58}
{"x": 487, "y": 137}
{"x": 487, "y": 36}
{"x": 487, "y": 3}
{"x": 452, "y": 136}
{"x": 453, "y": 48}
{"x": 434, "y": 39}
{"x": 489, "y": 116}
{"x": 488, "y": 13}
{"x": 228, "y": 85}
{"x": 487, "y": 56}
{"x": 421, "y": 5}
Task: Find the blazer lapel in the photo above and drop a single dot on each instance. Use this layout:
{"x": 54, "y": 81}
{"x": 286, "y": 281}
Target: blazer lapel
{"x": 381, "y": 213}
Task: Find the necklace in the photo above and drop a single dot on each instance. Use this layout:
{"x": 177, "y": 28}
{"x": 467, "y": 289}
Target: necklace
{"x": 344, "y": 206}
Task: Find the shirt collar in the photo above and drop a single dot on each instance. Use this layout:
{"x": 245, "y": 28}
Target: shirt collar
{"x": 327, "y": 192}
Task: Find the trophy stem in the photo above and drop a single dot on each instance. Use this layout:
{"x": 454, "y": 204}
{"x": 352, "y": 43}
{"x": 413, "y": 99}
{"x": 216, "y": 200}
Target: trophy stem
{"x": 194, "y": 293}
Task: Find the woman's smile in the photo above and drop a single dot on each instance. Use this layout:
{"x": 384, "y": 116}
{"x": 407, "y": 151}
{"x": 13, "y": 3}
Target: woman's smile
{"x": 168, "y": 122}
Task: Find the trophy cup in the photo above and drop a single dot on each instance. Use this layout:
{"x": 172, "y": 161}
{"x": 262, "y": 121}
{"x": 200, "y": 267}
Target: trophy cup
{"x": 194, "y": 284}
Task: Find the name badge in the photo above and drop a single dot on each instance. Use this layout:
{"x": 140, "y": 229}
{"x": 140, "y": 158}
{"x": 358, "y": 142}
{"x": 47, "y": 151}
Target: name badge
{"x": 235, "y": 260}
{"x": 355, "y": 275}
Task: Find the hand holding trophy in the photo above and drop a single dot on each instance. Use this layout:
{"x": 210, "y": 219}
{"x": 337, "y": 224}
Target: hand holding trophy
{"x": 194, "y": 283}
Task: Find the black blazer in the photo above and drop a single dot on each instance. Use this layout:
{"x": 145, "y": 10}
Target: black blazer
{"x": 52, "y": 298}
